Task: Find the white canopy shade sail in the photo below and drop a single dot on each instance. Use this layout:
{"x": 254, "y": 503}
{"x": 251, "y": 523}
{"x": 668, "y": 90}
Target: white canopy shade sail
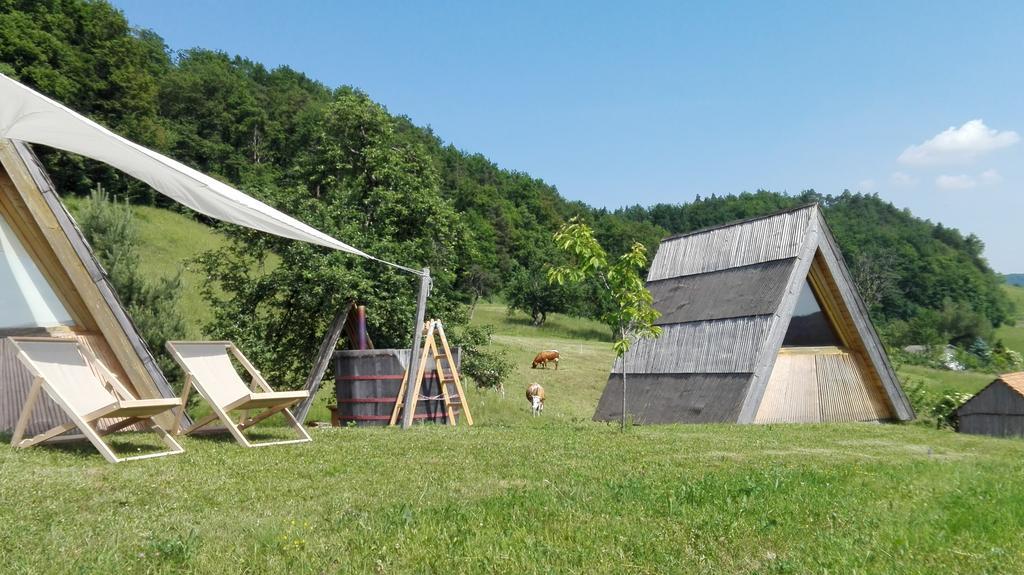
{"x": 31, "y": 117}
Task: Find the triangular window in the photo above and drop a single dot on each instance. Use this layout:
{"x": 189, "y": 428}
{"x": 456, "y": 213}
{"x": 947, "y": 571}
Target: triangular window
{"x": 810, "y": 327}
{"x": 26, "y": 299}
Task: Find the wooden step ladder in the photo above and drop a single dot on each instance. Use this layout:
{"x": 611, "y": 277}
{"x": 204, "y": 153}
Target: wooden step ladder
{"x": 433, "y": 329}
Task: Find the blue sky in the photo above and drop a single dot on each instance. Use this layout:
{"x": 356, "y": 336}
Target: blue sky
{"x": 629, "y": 102}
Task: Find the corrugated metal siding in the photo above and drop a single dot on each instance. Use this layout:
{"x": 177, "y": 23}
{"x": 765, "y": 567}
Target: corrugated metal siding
{"x": 675, "y": 398}
{"x": 16, "y": 381}
{"x": 773, "y": 238}
{"x": 829, "y": 386}
{"x": 717, "y": 346}
{"x": 845, "y": 392}
{"x": 750, "y": 290}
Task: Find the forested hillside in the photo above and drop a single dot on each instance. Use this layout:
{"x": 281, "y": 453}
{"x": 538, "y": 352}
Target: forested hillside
{"x": 341, "y": 162}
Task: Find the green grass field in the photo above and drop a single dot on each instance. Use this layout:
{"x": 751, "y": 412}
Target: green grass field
{"x": 1013, "y": 335}
{"x": 517, "y": 494}
{"x": 555, "y": 494}
{"x": 941, "y": 380}
{"x": 538, "y": 496}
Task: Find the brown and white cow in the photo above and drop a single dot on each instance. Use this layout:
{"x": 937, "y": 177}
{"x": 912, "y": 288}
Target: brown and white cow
{"x": 535, "y": 395}
{"x": 544, "y": 357}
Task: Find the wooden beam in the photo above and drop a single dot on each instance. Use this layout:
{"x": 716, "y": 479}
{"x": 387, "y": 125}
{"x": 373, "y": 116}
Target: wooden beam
{"x": 777, "y": 333}
{"x": 323, "y": 360}
{"x": 875, "y": 357}
{"x": 409, "y": 409}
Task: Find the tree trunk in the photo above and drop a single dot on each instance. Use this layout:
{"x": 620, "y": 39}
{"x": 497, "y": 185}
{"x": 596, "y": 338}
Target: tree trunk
{"x": 539, "y": 317}
{"x": 624, "y": 365}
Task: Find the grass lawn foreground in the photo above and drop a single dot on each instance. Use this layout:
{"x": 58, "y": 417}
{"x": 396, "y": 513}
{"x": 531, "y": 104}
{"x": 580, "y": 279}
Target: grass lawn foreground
{"x": 541, "y": 497}
{"x": 555, "y": 494}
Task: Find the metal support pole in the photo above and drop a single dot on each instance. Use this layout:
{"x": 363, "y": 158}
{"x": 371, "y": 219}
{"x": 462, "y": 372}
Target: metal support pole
{"x": 409, "y": 409}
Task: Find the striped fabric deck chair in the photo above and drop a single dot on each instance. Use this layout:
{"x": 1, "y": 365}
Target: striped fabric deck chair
{"x": 208, "y": 368}
{"x": 87, "y": 391}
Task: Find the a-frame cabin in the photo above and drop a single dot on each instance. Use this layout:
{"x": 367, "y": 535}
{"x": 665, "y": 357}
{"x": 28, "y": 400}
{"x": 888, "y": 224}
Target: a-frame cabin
{"x": 762, "y": 323}
{"x": 52, "y": 284}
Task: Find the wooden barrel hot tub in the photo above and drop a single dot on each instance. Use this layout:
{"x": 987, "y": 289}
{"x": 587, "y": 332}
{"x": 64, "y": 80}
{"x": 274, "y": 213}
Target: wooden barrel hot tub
{"x": 366, "y": 384}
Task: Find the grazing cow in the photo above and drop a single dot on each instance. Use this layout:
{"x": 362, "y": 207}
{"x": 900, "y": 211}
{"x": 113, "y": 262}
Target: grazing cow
{"x": 535, "y": 395}
{"x": 544, "y": 357}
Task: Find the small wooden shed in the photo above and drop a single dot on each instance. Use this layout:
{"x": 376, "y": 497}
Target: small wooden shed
{"x": 997, "y": 410}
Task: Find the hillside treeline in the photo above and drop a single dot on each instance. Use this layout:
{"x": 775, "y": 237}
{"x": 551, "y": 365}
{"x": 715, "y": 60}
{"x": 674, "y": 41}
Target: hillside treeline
{"x": 346, "y": 165}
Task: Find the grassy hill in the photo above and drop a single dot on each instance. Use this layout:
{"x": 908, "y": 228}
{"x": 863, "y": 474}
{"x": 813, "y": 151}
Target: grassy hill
{"x": 558, "y": 493}
{"x": 168, "y": 243}
{"x": 1013, "y": 335}
{"x": 586, "y": 357}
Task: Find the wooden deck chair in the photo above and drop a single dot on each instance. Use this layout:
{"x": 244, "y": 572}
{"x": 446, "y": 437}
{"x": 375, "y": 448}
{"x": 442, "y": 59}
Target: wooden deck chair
{"x": 208, "y": 368}
{"x": 67, "y": 371}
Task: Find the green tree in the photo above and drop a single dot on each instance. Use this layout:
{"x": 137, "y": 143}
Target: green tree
{"x": 360, "y": 180}
{"x": 528, "y": 290}
{"x": 630, "y": 312}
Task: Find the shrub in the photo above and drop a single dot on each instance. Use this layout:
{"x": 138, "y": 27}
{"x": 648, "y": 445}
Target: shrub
{"x": 486, "y": 367}
{"x": 944, "y": 408}
{"x": 934, "y": 408}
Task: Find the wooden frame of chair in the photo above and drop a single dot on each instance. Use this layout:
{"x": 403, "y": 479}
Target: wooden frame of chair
{"x": 124, "y": 405}
{"x": 272, "y": 401}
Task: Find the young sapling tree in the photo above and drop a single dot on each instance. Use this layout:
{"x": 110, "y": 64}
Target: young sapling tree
{"x": 629, "y": 310}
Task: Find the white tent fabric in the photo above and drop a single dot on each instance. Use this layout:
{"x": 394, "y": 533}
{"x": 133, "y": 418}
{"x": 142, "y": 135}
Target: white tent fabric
{"x": 31, "y": 117}
{"x": 26, "y": 299}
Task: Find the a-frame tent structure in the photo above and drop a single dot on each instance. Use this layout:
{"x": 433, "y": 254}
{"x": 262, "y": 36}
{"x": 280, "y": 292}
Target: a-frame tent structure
{"x": 50, "y": 281}
{"x": 51, "y": 284}
{"x": 762, "y": 323}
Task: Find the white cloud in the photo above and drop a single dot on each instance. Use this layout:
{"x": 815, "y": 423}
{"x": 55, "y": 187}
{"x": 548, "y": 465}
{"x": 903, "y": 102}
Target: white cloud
{"x": 967, "y": 182}
{"x": 903, "y": 179}
{"x": 990, "y": 177}
{"x": 958, "y": 145}
{"x": 866, "y": 185}
{"x": 961, "y": 182}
